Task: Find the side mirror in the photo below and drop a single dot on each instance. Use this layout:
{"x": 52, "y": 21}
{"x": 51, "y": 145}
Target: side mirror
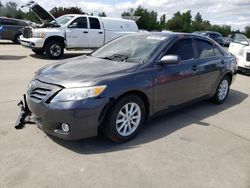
{"x": 73, "y": 25}
{"x": 170, "y": 59}
{"x": 244, "y": 43}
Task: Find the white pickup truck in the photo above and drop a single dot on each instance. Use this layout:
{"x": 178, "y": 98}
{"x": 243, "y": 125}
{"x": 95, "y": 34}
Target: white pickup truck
{"x": 72, "y": 31}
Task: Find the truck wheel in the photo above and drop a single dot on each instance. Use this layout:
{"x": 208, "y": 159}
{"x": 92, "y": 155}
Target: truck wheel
{"x": 38, "y": 52}
{"x": 124, "y": 119}
{"x": 54, "y": 49}
{"x": 17, "y": 39}
{"x": 222, "y": 91}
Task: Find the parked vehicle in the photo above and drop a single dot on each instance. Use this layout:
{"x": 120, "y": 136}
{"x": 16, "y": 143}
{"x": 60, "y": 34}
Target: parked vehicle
{"x": 122, "y": 84}
{"x": 72, "y": 31}
{"x": 227, "y": 40}
{"x": 11, "y": 29}
{"x": 240, "y": 47}
{"x": 213, "y": 35}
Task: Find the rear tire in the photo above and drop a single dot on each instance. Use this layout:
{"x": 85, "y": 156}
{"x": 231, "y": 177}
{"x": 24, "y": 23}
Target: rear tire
{"x": 124, "y": 119}
{"x": 38, "y": 52}
{"x": 54, "y": 49}
{"x": 222, "y": 91}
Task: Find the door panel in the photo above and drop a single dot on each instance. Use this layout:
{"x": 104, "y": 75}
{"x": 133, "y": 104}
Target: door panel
{"x": 77, "y": 33}
{"x": 175, "y": 85}
{"x": 209, "y": 64}
{"x": 96, "y": 33}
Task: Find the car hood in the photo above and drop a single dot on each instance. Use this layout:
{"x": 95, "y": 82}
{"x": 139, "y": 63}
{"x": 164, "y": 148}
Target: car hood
{"x": 42, "y": 14}
{"x": 83, "y": 71}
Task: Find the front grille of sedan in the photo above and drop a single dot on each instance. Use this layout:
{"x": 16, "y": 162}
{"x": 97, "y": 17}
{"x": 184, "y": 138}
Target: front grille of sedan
{"x": 248, "y": 56}
{"x": 27, "y": 32}
{"x": 40, "y": 91}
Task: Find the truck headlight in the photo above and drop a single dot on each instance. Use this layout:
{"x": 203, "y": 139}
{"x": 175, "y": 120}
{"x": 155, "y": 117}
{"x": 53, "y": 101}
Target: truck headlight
{"x": 74, "y": 94}
{"x": 38, "y": 34}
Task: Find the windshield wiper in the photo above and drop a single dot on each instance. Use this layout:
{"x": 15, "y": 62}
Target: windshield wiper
{"x": 116, "y": 57}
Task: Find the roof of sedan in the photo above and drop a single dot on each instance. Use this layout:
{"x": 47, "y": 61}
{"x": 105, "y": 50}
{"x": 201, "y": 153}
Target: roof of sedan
{"x": 168, "y": 34}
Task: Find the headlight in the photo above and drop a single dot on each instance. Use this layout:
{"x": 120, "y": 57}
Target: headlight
{"x": 74, "y": 94}
{"x": 38, "y": 34}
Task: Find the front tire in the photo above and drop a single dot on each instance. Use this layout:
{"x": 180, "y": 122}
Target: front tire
{"x": 124, "y": 119}
{"x": 17, "y": 39}
{"x": 222, "y": 91}
{"x": 54, "y": 49}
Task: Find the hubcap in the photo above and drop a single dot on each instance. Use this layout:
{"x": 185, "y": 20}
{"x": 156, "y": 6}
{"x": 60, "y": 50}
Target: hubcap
{"x": 128, "y": 119}
{"x": 55, "y": 50}
{"x": 223, "y": 89}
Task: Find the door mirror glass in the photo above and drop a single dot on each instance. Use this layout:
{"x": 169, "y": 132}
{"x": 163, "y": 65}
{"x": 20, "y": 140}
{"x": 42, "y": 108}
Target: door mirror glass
{"x": 170, "y": 59}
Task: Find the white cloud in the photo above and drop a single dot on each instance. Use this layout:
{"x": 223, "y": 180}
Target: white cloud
{"x": 233, "y": 12}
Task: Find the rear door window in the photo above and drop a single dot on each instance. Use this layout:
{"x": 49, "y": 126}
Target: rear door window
{"x": 9, "y": 22}
{"x": 205, "y": 49}
{"x": 183, "y": 48}
{"x": 94, "y": 23}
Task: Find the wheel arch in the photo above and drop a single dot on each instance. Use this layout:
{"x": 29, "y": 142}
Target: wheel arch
{"x": 112, "y": 101}
{"x": 55, "y": 38}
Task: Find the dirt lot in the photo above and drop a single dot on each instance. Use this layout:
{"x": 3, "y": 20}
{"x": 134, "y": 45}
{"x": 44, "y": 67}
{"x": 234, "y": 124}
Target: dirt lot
{"x": 204, "y": 145}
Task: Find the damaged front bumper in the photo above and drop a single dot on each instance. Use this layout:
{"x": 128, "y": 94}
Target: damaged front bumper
{"x": 25, "y": 116}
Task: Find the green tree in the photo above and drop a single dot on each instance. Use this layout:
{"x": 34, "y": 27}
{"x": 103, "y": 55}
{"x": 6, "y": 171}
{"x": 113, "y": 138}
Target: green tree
{"x": 59, "y": 11}
{"x": 180, "y": 22}
{"x": 148, "y": 19}
{"x": 102, "y": 14}
{"x": 247, "y": 31}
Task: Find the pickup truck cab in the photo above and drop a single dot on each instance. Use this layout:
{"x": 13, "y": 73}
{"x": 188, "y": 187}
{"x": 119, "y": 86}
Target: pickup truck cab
{"x": 72, "y": 31}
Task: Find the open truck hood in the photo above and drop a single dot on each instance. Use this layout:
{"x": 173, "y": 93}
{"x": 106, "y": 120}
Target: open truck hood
{"x": 41, "y": 13}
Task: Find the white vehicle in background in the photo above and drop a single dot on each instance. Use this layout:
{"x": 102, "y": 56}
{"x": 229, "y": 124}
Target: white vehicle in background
{"x": 240, "y": 47}
{"x": 72, "y": 31}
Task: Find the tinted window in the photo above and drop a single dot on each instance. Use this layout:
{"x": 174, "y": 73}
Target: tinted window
{"x": 217, "y": 51}
{"x": 80, "y": 23}
{"x": 182, "y": 48}
{"x": 94, "y": 23}
{"x": 205, "y": 49}
{"x": 23, "y": 24}
{"x": 9, "y": 22}
{"x": 239, "y": 38}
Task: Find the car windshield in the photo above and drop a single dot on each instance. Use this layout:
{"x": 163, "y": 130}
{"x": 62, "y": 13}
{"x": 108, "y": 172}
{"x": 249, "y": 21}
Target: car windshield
{"x": 131, "y": 48}
{"x": 63, "y": 20}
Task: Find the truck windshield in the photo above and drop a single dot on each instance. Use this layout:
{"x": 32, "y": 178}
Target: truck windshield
{"x": 63, "y": 20}
{"x": 131, "y": 48}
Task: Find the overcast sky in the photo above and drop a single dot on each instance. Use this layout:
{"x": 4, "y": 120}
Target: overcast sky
{"x": 231, "y": 12}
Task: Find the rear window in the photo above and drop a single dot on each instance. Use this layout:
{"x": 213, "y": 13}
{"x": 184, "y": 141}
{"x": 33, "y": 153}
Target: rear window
{"x": 205, "y": 49}
{"x": 183, "y": 48}
{"x": 94, "y": 23}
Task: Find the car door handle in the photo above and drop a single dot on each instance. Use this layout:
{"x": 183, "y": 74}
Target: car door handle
{"x": 85, "y": 32}
{"x": 100, "y": 32}
{"x": 194, "y": 68}
{"x": 223, "y": 61}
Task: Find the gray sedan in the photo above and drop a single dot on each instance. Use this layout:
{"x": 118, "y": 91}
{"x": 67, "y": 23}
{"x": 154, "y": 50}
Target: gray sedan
{"x": 122, "y": 84}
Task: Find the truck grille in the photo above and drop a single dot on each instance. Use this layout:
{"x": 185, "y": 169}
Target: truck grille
{"x": 248, "y": 56}
{"x": 27, "y": 32}
{"x": 40, "y": 91}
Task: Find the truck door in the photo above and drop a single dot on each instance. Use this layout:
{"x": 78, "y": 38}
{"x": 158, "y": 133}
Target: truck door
{"x": 96, "y": 33}
{"x": 77, "y": 34}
